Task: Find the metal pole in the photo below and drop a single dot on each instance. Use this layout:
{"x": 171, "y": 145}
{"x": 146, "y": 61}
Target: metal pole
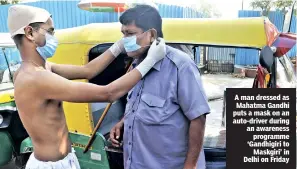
{"x": 91, "y": 140}
{"x": 5, "y": 56}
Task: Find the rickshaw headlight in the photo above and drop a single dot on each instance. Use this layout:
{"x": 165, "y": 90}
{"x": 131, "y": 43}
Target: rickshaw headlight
{"x": 1, "y": 119}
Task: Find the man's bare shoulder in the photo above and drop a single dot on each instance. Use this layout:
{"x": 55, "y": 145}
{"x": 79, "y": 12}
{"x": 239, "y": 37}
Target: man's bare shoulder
{"x": 31, "y": 78}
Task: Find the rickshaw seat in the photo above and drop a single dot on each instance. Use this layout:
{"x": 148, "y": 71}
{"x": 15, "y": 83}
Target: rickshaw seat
{"x": 267, "y": 61}
{"x": 114, "y": 71}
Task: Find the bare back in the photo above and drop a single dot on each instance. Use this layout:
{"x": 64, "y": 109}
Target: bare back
{"x": 43, "y": 119}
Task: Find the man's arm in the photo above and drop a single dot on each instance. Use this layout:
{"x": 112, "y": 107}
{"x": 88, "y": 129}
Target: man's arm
{"x": 196, "y": 136}
{"x": 91, "y": 69}
{"x": 194, "y": 103}
{"x": 56, "y": 87}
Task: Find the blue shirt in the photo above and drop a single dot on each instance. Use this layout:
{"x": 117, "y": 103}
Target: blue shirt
{"x": 158, "y": 114}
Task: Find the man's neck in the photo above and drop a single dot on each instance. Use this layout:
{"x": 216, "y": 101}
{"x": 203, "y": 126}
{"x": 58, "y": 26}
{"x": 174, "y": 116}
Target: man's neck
{"x": 141, "y": 58}
{"x": 33, "y": 57}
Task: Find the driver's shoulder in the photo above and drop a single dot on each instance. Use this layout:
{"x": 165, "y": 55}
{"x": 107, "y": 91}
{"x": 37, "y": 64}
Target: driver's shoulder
{"x": 178, "y": 57}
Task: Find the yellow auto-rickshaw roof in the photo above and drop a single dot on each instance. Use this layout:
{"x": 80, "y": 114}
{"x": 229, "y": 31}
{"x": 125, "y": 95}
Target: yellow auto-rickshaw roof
{"x": 239, "y": 32}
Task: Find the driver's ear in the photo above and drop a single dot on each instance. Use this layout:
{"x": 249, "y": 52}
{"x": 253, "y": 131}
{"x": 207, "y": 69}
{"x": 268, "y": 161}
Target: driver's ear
{"x": 153, "y": 35}
{"x": 29, "y": 33}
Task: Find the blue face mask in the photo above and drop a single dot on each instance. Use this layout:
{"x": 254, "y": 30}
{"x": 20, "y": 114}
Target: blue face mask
{"x": 130, "y": 44}
{"x": 49, "y": 49}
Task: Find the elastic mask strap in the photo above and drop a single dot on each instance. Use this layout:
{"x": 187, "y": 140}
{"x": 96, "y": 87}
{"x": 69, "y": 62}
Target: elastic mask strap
{"x": 35, "y": 41}
{"x": 141, "y": 34}
{"x": 145, "y": 46}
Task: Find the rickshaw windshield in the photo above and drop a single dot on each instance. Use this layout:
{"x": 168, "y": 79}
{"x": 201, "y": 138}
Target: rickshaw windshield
{"x": 10, "y": 60}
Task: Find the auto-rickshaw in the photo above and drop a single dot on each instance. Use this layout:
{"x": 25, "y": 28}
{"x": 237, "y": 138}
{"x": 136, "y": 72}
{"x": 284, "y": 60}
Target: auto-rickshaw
{"x": 80, "y": 45}
{"x": 12, "y": 132}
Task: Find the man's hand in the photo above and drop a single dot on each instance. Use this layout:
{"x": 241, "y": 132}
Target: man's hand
{"x": 91, "y": 69}
{"x": 157, "y": 50}
{"x": 117, "y": 48}
{"x": 156, "y": 53}
{"x": 115, "y": 133}
{"x": 80, "y": 92}
{"x": 48, "y": 65}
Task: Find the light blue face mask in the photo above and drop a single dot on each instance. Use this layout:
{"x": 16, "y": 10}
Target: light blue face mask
{"x": 130, "y": 44}
{"x": 49, "y": 49}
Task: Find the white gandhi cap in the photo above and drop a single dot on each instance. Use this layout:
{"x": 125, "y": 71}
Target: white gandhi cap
{"x": 20, "y": 16}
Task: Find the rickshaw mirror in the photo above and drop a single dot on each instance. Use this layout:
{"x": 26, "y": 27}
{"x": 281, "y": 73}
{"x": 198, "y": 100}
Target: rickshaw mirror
{"x": 266, "y": 58}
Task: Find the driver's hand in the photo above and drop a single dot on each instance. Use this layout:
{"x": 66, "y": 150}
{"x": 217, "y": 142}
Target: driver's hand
{"x": 115, "y": 133}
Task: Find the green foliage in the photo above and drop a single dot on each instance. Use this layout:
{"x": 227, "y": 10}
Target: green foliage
{"x": 208, "y": 10}
{"x": 283, "y": 5}
{"x": 5, "y": 2}
{"x": 267, "y": 5}
{"x": 15, "y": 1}
{"x": 264, "y": 5}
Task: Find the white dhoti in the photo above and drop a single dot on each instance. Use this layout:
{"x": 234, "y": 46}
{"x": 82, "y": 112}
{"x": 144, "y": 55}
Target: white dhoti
{"x": 69, "y": 162}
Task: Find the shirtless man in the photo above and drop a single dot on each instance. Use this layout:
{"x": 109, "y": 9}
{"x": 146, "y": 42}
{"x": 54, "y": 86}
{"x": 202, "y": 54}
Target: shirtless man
{"x": 40, "y": 88}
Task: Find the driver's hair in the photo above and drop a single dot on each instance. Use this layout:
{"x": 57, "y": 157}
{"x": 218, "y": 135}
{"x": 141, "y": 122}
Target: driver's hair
{"x": 144, "y": 17}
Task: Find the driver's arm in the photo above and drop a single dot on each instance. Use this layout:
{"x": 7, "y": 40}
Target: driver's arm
{"x": 91, "y": 69}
